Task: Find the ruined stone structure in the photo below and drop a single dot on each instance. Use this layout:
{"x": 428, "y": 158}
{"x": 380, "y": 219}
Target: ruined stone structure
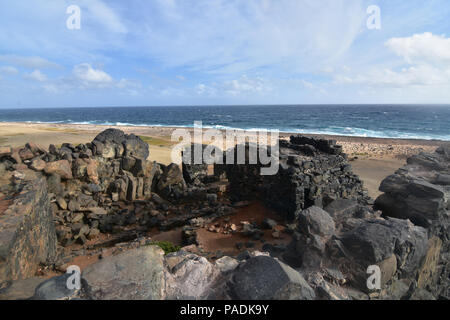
{"x": 311, "y": 172}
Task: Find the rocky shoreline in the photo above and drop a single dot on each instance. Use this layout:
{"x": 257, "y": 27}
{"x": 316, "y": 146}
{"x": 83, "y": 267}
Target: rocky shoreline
{"x": 107, "y": 200}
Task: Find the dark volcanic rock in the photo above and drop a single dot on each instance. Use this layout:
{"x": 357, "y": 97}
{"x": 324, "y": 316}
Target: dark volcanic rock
{"x": 376, "y": 240}
{"x": 115, "y": 143}
{"x": 55, "y": 289}
{"x": 265, "y": 278}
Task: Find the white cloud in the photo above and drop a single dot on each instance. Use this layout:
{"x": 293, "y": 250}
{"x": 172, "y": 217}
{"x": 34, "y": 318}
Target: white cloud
{"x": 422, "y": 48}
{"x": 428, "y": 59}
{"x": 90, "y": 76}
{"x": 8, "y": 70}
{"x": 86, "y": 77}
{"x": 29, "y": 62}
{"x": 36, "y": 75}
{"x": 236, "y": 87}
{"x": 246, "y": 85}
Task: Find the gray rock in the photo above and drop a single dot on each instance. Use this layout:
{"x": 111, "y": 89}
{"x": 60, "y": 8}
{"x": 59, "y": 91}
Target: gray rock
{"x": 136, "y": 274}
{"x": 54, "y": 184}
{"x": 190, "y": 279}
{"x": 422, "y": 294}
{"x": 316, "y": 221}
{"x": 376, "y": 240}
{"x": 226, "y": 264}
{"x": 55, "y": 289}
{"x": 269, "y": 224}
{"x": 266, "y": 278}
{"x": 115, "y": 143}
{"x": 20, "y": 289}
{"x": 342, "y": 207}
{"x": 135, "y": 147}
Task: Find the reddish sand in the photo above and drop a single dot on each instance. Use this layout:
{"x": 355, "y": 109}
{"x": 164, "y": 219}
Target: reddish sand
{"x": 255, "y": 212}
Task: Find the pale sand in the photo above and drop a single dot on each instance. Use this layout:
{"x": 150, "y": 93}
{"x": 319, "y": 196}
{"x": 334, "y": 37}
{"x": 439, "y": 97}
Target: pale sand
{"x": 377, "y": 158}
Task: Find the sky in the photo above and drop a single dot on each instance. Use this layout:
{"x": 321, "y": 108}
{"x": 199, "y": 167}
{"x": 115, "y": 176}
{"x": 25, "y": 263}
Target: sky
{"x": 220, "y": 52}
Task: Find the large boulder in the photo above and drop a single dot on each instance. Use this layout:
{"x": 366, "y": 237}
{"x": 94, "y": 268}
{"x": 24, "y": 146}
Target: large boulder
{"x": 308, "y": 249}
{"x": 190, "y": 278}
{"x": 374, "y": 241}
{"x": 136, "y": 274}
{"x": 20, "y": 289}
{"x": 316, "y": 221}
{"x": 114, "y": 143}
{"x": 266, "y": 278}
{"x": 55, "y": 289}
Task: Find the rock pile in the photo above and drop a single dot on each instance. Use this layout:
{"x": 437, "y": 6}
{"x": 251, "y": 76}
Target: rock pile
{"x": 420, "y": 192}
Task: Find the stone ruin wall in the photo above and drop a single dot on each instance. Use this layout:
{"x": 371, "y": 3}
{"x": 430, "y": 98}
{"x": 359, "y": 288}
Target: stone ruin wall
{"x": 311, "y": 173}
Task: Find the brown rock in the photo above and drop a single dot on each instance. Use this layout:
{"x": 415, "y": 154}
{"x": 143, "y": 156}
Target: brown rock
{"x": 388, "y": 268}
{"x": 61, "y": 203}
{"x": 61, "y": 168}
{"x": 35, "y": 148}
{"x": 92, "y": 171}
{"x": 15, "y": 155}
{"x": 38, "y": 165}
{"x": 26, "y": 154}
{"x": 5, "y": 151}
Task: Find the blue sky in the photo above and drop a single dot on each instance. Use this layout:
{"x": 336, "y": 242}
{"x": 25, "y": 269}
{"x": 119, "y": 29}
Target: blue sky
{"x": 206, "y": 52}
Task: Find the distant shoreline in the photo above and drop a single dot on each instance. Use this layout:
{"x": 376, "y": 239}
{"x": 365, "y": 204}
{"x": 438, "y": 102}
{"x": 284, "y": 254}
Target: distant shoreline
{"x": 347, "y": 138}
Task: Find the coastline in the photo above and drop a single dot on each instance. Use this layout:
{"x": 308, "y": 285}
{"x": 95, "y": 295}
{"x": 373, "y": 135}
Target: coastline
{"x": 372, "y": 158}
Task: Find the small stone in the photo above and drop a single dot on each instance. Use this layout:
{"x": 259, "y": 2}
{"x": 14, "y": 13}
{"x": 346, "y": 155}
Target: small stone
{"x": 61, "y": 203}
{"x": 93, "y": 233}
{"x": 269, "y": 224}
{"x": 73, "y": 205}
{"x": 77, "y": 218}
{"x": 38, "y": 165}
{"x": 5, "y": 151}
{"x": 276, "y": 235}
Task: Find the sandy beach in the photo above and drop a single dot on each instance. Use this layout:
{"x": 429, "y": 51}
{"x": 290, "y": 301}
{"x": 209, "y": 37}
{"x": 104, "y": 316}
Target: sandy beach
{"x": 372, "y": 158}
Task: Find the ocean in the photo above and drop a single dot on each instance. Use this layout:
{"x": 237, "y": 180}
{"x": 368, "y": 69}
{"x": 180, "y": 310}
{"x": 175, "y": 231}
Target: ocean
{"x": 383, "y": 121}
